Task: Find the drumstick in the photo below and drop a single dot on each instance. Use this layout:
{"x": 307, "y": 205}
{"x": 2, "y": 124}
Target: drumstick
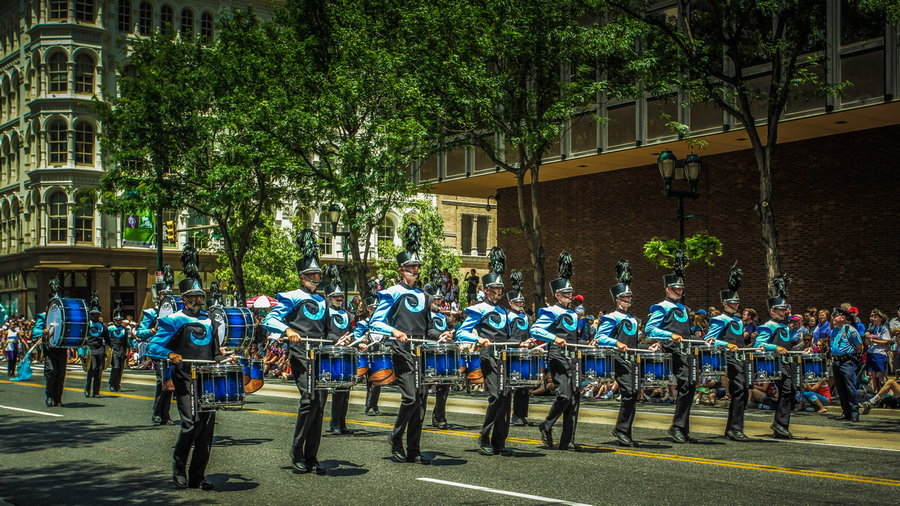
{"x": 198, "y": 361}
{"x": 698, "y": 341}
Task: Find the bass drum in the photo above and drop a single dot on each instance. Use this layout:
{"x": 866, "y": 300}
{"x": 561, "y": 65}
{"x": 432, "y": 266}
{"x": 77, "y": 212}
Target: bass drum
{"x": 67, "y": 323}
{"x": 234, "y": 327}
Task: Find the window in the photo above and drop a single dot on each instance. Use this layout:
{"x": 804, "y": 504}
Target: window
{"x": 187, "y": 23}
{"x": 166, "y": 19}
{"x": 59, "y": 9}
{"x": 58, "y": 137}
{"x": 84, "y": 143}
{"x": 59, "y": 74}
{"x": 84, "y": 223}
{"x": 84, "y": 74}
{"x": 325, "y": 237}
{"x": 621, "y": 127}
{"x": 145, "y": 18}
{"x": 58, "y": 217}
{"x": 386, "y": 231}
{"x": 84, "y": 10}
{"x": 125, "y": 16}
{"x": 206, "y": 26}
{"x": 474, "y": 232}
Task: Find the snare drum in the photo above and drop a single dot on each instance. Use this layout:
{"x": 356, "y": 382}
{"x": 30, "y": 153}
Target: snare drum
{"x": 524, "y": 367}
{"x": 766, "y": 366}
{"x": 218, "y": 385}
{"x": 380, "y": 367}
{"x": 254, "y": 379}
{"x": 711, "y": 362}
{"x": 335, "y": 367}
{"x": 234, "y": 327}
{"x": 170, "y": 304}
{"x": 440, "y": 363}
{"x": 656, "y": 369}
{"x": 67, "y": 323}
{"x": 471, "y": 365}
{"x": 597, "y": 365}
{"x": 813, "y": 368}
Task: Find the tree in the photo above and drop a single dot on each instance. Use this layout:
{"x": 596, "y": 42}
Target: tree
{"x": 270, "y": 263}
{"x": 709, "y": 45}
{"x": 182, "y": 114}
{"x": 506, "y": 77}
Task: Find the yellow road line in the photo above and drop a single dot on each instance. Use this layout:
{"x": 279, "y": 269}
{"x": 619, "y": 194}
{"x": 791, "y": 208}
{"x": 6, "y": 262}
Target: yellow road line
{"x": 627, "y": 452}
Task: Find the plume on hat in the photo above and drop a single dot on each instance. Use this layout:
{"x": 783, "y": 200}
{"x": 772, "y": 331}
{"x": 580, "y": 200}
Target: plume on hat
{"x": 497, "y": 260}
{"x": 306, "y": 241}
{"x": 781, "y": 283}
{"x": 435, "y": 275}
{"x": 734, "y": 278}
{"x": 565, "y": 268}
{"x": 678, "y": 264}
{"x": 413, "y": 236}
{"x": 371, "y": 286}
{"x": 623, "y": 272}
{"x": 190, "y": 262}
{"x": 54, "y": 286}
{"x": 215, "y": 293}
{"x": 516, "y": 280}
{"x": 168, "y": 275}
{"x": 332, "y": 274}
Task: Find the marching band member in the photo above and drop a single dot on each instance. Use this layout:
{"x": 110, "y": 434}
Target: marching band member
{"x": 727, "y": 329}
{"x": 439, "y": 331}
{"x": 669, "y": 322}
{"x": 402, "y": 313}
{"x": 774, "y": 335}
{"x": 517, "y": 331}
{"x": 486, "y": 324}
{"x": 188, "y": 335}
{"x": 339, "y": 332}
{"x": 118, "y": 342}
{"x": 620, "y": 330}
{"x": 55, "y": 358}
{"x": 846, "y": 347}
{"x": 162, "y": 399}
{"x": 557, "y": 326}
{"x": 97, "y": 340}
{"x": 299, "y": 315}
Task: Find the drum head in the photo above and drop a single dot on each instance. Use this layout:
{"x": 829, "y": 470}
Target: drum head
{"x": 168, "y": 306}
{"x": 219, "y": 324}
{"x": 54, "y": 322}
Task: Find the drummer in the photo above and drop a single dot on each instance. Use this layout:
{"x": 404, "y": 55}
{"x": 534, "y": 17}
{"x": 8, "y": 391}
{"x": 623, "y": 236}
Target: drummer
{"x": 55, "y": 357}
{"x": 438, "y": 331}
{"x": 339, "y": 333}
{"x": 669, "y": 323}
{"x": 517, "y": 324}
{"x": 486, "y": 324}
{"x": 556, "y": 325}
{"x": 727, "y": 329}
{"x": 299, "y": 315}
{"x": 774, "y": 335}
{"x": 188, "y": 335}
{"x": 162, "y": 399}
{"x": 97, "y": 341}
{"x": 402, "y": 314}
{"x": 619, "y": 329}
{"x": 118, "y": 342}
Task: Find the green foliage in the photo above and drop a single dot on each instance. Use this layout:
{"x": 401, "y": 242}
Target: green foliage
{"x": 697, "y": 247}
{"x": 269, "y": 266}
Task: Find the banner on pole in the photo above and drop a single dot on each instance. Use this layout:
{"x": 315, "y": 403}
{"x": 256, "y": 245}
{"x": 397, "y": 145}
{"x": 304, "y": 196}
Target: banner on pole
{"x": 138, "y": 229}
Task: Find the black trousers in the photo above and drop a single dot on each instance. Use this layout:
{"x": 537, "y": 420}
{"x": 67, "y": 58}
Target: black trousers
{"x": 340, "y": 402}
{"x": 308, "y": 430}
{"x": 787, "y": 390}
{"x": 567, "y": 398}
{"x": 196, "y": 430}
{"x": 844, "y": 371}
{"x": 439, "y": 411}
{"x": 94, "y": 374}
{"x": 55, "y": 360}
{"x": 373, "y": 392}
{"x": 495, "y": 428}
{"x": 12, "y": 357}
{"x": 685, "y": 388}
{"x": 117, "y": 364}
{"x": 737, "y": 388}
{"x": 162, "y": 399}
{"x": 520, "y": 403}
{"x": 627, "y": 378}
{"x": 411, "y": 414}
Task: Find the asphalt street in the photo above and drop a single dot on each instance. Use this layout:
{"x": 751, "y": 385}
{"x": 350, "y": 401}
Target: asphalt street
{"x": 105, "y": 451}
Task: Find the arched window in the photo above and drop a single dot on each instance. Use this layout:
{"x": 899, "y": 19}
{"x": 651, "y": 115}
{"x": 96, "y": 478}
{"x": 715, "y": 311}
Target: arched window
{"x": 59, "y": 9}
{"x": 58, "y": 217}
{"x": 84, "y": 10}
{"x": 386, "y": 231}
{"x": 166, "y": 19}
{"x": 84, "y": 143}
{"x": 145, "y": 18}
{"x": 59, "y": 73}
{"x": 206, "y": 26}
{"x": 325, "y": 238}
{"x": 58, "y": 139}
{"x": 187, "y": 23}
{"x": 84, "y": 74}
{"x": 84, "y": 222}
{"x": 125, "y": 16}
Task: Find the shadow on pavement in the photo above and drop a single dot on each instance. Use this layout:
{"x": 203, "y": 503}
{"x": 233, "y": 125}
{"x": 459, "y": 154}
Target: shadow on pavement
{"x": 343, "y": 468}
{"x": 39, "y": 436}
{"x": 230, "y": 441}
{"x": 231, "y": 482}
{"x": 448, "y": 460}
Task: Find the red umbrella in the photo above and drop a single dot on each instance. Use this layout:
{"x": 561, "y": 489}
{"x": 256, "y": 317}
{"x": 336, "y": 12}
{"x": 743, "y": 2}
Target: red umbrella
{"x": 261, "y": 302}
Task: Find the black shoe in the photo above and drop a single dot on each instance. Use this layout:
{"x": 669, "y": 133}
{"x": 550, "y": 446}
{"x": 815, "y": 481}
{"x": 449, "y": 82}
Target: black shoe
{"x": 853, "y": 418}
{"x": 418, "y": 459}
{"x": 677, "y": 435}
{"x": 572, "y": 447}
{"x": 622, "y": 438}
{"x": 486, "y": 449}
{"x": 87, "y": 395}
{"x": 96, "y": 396}
{"x": 49, "y": 402}
{"x": 546, "y": 435}
{"x": 736, "y": 435}
{"x": 300, "y": 467}
{"x": 837, "y": 417}
{"x": 518, "y": 421}
{"x": 440, "y": 425}
{"x": 781, "y": 432}
{"x": 202, "y": 485}
{"x": 373, "y": 412}
{"x": 317, "y": 469}
{"x": 156, "y": 420}
{"x": 397, "y": 449}
{"x": 344, "y": 431}
{"x": 505, "y": 452}
{"x": 179, "y": 476}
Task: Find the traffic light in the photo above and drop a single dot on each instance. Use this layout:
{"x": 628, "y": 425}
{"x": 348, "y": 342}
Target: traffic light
{"x": 170, "y": 231}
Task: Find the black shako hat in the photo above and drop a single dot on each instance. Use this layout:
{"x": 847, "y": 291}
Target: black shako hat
{"x": 412, "y": 236}
{"x": 497, "y": 264}
{"x": 565, "y": 270}
{"x": 623, "y": 275}
{"x": 515, "y": 280}
{"x": 309, "y": 252}
{"x": 190, "y": 266}
{"x": 779, "y": 301}
{"x": 734, "y": 284}
{"x": 676, "y": 279}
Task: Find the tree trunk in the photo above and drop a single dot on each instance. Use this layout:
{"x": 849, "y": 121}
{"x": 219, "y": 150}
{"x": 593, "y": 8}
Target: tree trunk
{"x": 359, "y": 264}
{"x": 765, "y": 211}
{"x": 532, "y": 233}
{"x": 235, "y": 261}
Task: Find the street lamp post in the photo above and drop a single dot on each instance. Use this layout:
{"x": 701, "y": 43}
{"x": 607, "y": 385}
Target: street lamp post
{"x": 691, "y": 171}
